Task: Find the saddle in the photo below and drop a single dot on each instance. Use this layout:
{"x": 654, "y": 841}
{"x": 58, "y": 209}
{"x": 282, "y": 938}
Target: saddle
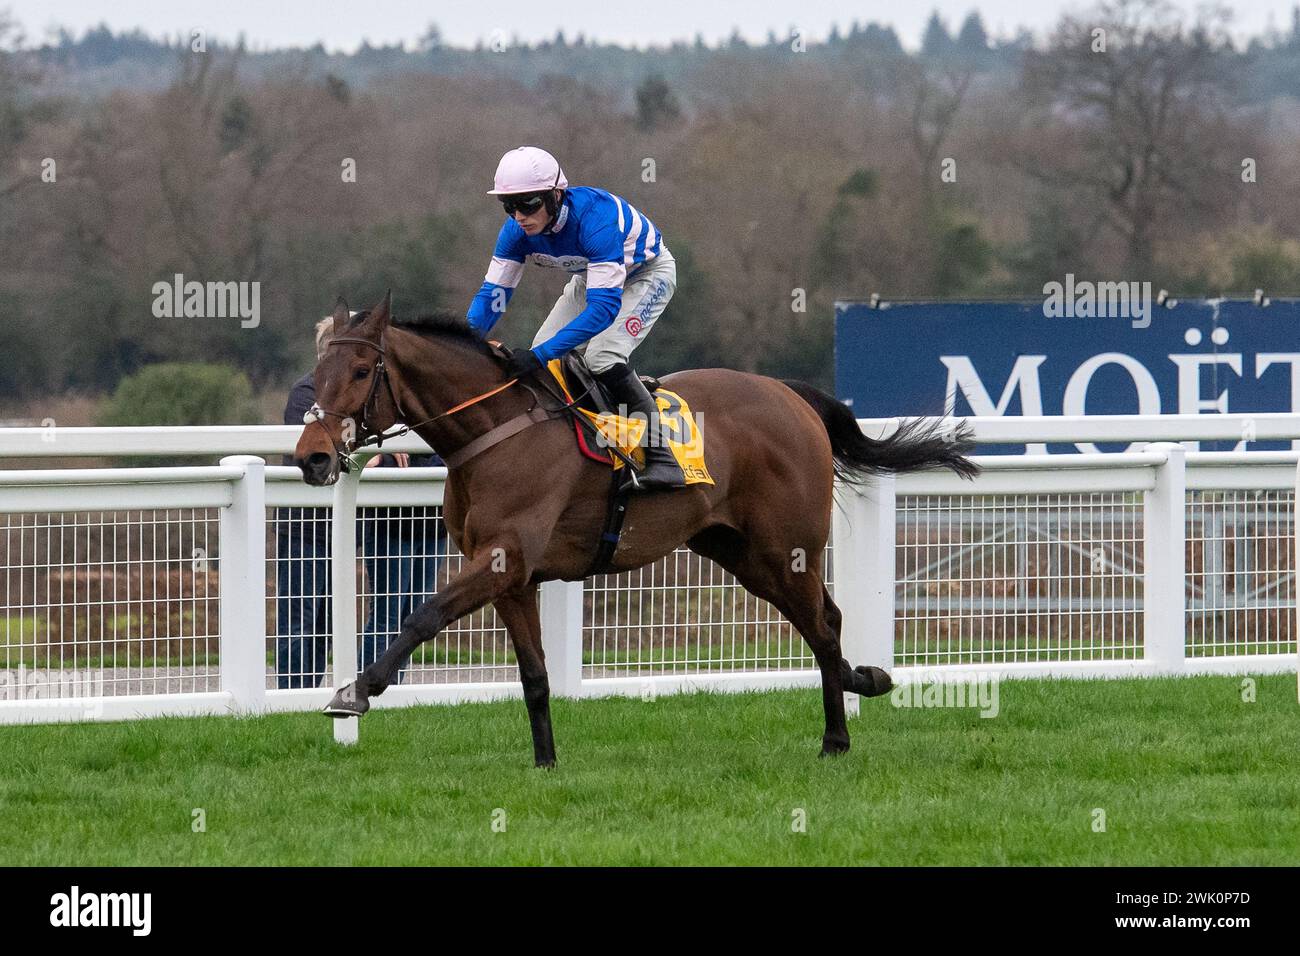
{"x": 586, "y": 388}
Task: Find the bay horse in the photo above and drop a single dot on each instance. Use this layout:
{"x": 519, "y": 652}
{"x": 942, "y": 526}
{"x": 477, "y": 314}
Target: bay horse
{"x": 529, "y": 508}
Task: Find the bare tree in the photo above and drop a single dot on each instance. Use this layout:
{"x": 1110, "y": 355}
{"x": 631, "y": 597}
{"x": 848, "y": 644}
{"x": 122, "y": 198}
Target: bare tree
{"x": 16, "y": 73}
{"x": 932, "y": 96}
{"x": 1130, "y": 108}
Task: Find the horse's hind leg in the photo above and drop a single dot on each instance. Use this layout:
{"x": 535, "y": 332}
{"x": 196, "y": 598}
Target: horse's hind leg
{"x": 865, "y": 681}
{"x": 798, "y": 594}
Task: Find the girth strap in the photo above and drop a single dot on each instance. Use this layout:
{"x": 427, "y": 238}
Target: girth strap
{"x": 499, "y": 434}
{"x": 615, "y": 512}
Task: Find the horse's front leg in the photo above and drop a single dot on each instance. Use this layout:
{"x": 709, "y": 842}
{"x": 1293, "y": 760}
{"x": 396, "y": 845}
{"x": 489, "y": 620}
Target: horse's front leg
{"x": 480, "y": 582}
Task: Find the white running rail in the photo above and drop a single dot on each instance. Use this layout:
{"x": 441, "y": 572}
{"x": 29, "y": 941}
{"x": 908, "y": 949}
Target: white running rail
{"x": 140, "y": 591}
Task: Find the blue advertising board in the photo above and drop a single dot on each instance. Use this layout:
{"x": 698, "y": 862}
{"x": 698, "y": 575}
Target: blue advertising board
{"x": 1027, "y": 358}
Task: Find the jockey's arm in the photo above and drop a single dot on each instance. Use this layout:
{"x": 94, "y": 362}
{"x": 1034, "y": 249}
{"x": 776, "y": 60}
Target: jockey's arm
{"x": 503, "y": 274}
{"x": 602, "y": 242}
{"x": 601, "y": 311}
{"x": 487, "y": 307}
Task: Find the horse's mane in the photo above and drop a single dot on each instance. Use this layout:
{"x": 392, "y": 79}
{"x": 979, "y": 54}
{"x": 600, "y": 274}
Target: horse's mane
{"x": 444, "y": 323}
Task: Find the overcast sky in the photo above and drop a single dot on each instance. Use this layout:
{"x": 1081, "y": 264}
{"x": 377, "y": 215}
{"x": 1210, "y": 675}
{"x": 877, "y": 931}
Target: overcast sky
{"x": 343, "y": 24}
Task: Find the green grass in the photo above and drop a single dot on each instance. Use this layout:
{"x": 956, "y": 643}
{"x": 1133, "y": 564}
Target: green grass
{"x": 1187, "y": 773}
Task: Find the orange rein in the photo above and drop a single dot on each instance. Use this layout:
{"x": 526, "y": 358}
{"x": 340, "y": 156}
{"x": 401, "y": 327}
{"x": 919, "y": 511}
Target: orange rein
{"x": 477, "y": 398}
{"x": 473, "y": 401}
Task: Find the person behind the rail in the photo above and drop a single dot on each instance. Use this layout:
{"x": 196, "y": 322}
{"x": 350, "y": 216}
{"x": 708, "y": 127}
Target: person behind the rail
{"x": 622, "y": 278}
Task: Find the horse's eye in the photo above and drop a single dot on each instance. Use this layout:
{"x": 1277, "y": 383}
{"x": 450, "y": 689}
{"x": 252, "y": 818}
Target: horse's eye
{"x": 360, "y": 373}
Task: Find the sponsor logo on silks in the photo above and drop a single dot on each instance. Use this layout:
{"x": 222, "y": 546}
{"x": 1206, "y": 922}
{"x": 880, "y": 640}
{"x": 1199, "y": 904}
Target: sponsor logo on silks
{"x": 568, "y": 263}
{"x": 646, "y": 306}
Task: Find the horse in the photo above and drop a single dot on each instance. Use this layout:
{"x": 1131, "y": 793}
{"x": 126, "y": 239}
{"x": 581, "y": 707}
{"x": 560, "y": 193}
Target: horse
{"x": 525, "y": 507}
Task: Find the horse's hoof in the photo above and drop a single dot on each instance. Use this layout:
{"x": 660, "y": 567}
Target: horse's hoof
{"x": 876, "y": 680}
{"x": 834, "y": 748}
{"x": 346, "y": 703}
{"x": 545, "y": 764}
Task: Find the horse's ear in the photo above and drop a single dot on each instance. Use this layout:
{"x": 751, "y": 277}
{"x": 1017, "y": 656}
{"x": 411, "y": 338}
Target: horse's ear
{"x": 341, "y": 316}
{"x": 379, "y": 316}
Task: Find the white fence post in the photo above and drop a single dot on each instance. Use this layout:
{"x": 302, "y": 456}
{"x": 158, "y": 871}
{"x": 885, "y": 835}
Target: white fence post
{"x": 1295, "y": 536}
{"x": 562, "y": 636}
{"x": 1164, "y": 597}
{"x": 863, "y": 558}
{"x": 242, "y": 565}
{"x": 343, "y": 583}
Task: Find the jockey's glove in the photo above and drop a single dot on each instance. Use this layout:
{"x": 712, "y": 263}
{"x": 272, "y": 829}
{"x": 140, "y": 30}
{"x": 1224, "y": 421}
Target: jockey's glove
{"x": 522, "y": 363}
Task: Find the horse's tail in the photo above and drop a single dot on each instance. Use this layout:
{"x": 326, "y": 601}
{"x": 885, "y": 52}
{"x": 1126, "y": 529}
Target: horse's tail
{"x": 916, "y": 444}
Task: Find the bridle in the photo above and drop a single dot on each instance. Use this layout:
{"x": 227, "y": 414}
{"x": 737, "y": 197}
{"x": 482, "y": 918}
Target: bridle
{"x": 318, "y": 414}
{"x": 537, "y": 412}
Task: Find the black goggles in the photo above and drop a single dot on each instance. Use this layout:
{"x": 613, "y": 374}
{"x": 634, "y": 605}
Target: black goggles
{"x": 528, "y": 203}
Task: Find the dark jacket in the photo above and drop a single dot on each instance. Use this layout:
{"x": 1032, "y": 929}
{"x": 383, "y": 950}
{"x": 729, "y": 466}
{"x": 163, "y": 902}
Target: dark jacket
{"x": 376, "y": 526}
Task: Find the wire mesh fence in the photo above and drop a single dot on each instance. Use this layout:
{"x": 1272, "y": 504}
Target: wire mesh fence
{"x": 404, "y": 557}
{"x": 109, "y": 603}
{"x": 1240, "y": 572}
{"x": 1009, "y": 578}
{"x": 114, "y": 603}
{"x": 684, "y": 614}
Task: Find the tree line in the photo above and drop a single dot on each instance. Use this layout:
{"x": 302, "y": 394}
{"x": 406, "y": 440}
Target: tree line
{"x": 782, "y": 179}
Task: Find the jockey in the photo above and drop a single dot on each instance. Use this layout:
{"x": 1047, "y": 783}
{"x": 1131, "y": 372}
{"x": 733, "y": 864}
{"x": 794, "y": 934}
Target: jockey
{"x": 622, "y": 278}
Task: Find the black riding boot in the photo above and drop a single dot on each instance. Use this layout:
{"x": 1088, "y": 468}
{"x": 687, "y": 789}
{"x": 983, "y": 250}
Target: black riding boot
{"x": 624, "y": 388}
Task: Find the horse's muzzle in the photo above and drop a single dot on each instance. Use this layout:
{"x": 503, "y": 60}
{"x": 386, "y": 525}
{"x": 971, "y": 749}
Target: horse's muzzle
{"x": 318, "y": 468}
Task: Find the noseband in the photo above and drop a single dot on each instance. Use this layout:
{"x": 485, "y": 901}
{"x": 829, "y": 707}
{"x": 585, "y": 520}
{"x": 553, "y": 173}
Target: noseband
{"x": 318, "y": 414}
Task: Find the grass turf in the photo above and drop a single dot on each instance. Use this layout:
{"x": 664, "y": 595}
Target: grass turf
{"x": 1186, "y": 772}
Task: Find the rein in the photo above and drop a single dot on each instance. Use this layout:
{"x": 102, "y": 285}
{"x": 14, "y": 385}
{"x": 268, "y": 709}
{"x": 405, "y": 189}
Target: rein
{"x": 318, "y": 414}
